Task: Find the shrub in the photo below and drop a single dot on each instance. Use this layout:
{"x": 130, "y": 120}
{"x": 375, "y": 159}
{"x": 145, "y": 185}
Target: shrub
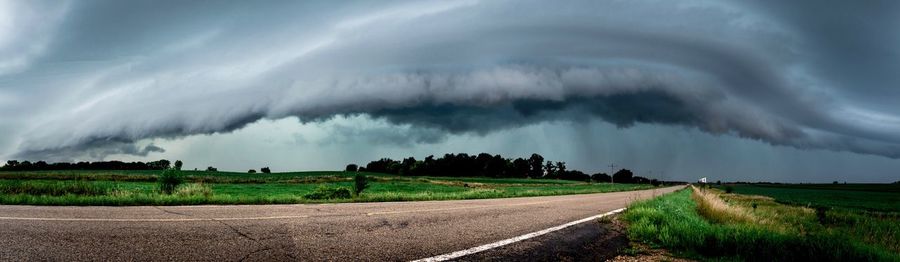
{"x": 325, "y": 192}
{"x": 211, "y": 169}
{"x": 265, "y": 170}
{"x": 820, "y": 214}
{"x": 169, "y": 180}
{"x": 352, "y": 168}
{"x": 251, "y": 171}
{"x": 729, "y": 189}
{"x": 360, "y": 183}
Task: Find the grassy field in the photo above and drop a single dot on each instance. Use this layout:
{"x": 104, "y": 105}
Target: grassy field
{"x": 712, "y": 225}
{"x": 201, "y": 187}
{"x": 872, "y": 197}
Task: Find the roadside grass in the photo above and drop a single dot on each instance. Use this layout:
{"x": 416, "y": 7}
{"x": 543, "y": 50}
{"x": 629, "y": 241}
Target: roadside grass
{"x": 674, "y": 222}
{"x": 54, "y": 188}
{"x": 710, "y": 206}
{"x": 90, "y": 188}
{"x": 194, "y": 189}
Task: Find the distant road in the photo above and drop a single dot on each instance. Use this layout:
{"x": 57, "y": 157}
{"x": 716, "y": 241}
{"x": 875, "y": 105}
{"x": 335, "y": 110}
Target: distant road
{"x": 354, "y": 231}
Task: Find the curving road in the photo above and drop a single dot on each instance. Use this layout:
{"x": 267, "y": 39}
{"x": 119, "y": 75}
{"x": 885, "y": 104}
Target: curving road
{"x": 356, "y": 231}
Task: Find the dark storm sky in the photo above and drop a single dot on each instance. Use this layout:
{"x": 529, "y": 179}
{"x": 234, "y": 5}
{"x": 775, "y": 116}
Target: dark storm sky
{"x": 751, "y": 90}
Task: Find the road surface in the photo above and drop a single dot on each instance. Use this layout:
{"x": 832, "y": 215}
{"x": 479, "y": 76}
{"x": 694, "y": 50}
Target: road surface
{"x": 393, "y": 231}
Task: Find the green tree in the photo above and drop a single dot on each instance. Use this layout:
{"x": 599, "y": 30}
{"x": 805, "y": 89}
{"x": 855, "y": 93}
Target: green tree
{"x": 169, "y": 180}
{"x": 360, "y": 183}
{"x": 520, "y": 167}
{"x": 178, "y": 164}
{"x": 623, "y": 176}
{"x": 11, "y": 164}
{"x": 560, "y": 167}
{"x": 162, "y": 164}
{"x": 601, "y": 177}
{"x": 550, "y": 169}
{"x": 536, "y": 161}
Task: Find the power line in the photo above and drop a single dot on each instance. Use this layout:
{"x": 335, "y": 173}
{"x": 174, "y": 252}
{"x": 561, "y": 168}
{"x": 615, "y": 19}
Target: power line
{"x": 612, "y": 167}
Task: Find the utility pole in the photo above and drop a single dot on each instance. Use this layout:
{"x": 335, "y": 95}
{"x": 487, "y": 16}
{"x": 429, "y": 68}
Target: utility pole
{"x": 611, "y": 168}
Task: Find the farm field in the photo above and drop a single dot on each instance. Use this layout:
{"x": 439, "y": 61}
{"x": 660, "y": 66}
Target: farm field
{"x": 203, "y": 187}
{"x": 872, "y": 197}
{"x": 768, "y": 223}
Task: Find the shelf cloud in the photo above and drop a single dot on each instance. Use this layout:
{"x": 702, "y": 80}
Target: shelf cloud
{"x": 103, "y": 75}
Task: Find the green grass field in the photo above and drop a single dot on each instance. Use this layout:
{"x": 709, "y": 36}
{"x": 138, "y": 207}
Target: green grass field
{"x": 872, "y": 197}
{"x": 713, "y": 225}
{"x": 201, "y": 187}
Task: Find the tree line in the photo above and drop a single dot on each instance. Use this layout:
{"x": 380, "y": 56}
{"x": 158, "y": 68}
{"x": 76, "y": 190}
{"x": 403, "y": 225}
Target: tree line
{"x": 494, "y": 166}
{"x": 15, "y": 165}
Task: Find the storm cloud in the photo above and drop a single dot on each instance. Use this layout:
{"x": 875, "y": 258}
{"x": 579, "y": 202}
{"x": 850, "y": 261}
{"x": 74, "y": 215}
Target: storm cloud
{"x": 103, "y": 75}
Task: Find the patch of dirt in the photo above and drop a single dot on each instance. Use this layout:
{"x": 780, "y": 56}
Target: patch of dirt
{"x": 646, "y": 253}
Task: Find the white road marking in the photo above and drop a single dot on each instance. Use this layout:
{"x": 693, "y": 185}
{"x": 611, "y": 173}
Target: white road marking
{"x": 504, "y": 242}
{"x": 147, "y": 219}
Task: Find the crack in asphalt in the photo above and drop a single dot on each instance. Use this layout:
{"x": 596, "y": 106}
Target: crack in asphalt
{"x": 171, "y": 212}
{"x": 235, "y": 230}
{"x": 265, "y": 248}
{"x": 244, "y": 235}
{"x": 229, "y": 226}
{"x": 232, "y": 228}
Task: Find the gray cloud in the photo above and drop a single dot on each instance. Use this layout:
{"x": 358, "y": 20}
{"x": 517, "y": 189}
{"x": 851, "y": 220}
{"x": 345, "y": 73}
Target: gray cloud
{"x": 396, "y": 135}
{"x": 93, "y": 150}
{"x": 443, "y": 68}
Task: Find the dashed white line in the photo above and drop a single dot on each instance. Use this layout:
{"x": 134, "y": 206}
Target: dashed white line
{"x": 504, "y": 242}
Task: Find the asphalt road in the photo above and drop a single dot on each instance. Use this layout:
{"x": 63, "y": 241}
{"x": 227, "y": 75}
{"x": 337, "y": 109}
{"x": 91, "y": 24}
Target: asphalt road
{"x": 356, "y": 231}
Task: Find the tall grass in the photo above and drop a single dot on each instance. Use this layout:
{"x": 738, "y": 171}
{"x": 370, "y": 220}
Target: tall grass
{"x": 673, "y": 221}
{"x": 54, "y": 188}
{"x": 194, "y": 189}
{"x": 710, "y": 206}
{"x": 875, "y": 228}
